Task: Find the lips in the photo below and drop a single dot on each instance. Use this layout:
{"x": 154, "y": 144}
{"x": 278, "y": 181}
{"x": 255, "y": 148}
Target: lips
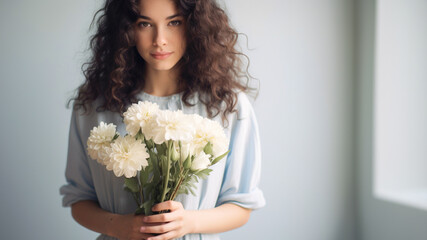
{"x": 161, "y": 55}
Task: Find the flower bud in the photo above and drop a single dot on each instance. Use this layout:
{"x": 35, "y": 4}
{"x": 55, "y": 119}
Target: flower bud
{"x": 202, "y": 161}
{"x": 175, "y": 154}
{"x": 163, "y": 161}
{"x": 187, "y": 162}
{"x": 186, "y": 151}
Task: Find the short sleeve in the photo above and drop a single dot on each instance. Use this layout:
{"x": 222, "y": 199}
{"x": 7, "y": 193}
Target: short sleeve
{"x": 243, "y": 167}
{"x": 77, "y": 173}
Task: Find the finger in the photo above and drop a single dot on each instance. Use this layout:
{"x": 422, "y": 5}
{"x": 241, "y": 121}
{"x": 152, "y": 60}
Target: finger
{"x": 162, "y": 228}
{"x": 168, "y": 205}
{"x": 165, "y": 236}
{"x": 139, "y": 218}
{"x": 144, "y": 236}
{"x": 140, "y": 235}
{"x": 163, "y": 217}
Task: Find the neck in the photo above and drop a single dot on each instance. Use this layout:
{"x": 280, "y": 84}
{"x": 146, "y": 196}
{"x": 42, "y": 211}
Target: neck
{"x": 161, "y": 82}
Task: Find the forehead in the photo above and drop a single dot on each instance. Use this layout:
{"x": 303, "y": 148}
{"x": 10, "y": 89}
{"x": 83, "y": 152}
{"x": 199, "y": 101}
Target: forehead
{"x": 157, "y": 8}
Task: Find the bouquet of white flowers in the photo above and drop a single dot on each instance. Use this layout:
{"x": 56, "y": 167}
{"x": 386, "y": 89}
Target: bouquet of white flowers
{"x": 163, "y": 154}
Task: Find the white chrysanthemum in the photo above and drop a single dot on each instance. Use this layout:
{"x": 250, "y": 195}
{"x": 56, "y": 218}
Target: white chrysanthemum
{"x": 99, "y": 140}
{"x": 103, "y": 155}
{"x": 210, "y": 131}
{"x": 127, "y": 156}
{"x": 195, "y": 119}
{"x": 137, "y": 116}
{"x": 201, "y": 161}
{"x": 168, "y": 125}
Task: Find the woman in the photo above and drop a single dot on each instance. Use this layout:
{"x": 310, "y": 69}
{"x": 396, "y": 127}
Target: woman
{"x": 181, "y": 55}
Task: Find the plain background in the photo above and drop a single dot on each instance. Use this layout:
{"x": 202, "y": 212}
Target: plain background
{"x": 314, "y": 60}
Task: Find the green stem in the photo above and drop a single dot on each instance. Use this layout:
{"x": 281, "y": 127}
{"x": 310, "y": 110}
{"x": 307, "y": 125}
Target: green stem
{"x": 181, "y": 179}
{"x": 180, "y": 157}
{"x": 176, "y": 189}
{"x": 147, "y": 145}
{"x": 141, "y": 194}
{"x": 166, "y": 178}
{"x": 178, "y": 183}
{"x": 136, "y": 198}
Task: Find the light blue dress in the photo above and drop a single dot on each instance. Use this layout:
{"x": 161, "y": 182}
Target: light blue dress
{"x": 233, "y": 180}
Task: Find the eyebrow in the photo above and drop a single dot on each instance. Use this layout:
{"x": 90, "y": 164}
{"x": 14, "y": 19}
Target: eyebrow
{"x": 168, "y": 18}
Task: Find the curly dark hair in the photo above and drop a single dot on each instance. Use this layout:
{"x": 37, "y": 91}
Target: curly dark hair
{"x": 211, "y": 65}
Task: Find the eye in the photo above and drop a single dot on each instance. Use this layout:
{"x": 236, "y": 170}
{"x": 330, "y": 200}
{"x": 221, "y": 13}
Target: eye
{"x": 144, "y": 24}
{"x": 175, "y": 23}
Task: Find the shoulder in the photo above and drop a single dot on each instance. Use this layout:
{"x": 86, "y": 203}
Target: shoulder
{"x": 244, "y": 106}
{"x": 86, "y": 113}
{"x": 243, "y": 115}
{"x": 83, "y": 121}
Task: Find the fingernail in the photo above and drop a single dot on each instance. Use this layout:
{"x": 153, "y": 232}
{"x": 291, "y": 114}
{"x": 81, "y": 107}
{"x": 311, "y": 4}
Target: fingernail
{"x": 142, "y": 229}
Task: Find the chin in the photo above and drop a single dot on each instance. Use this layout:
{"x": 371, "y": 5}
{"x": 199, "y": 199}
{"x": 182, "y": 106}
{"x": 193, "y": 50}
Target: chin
{"x": 166, "y": 68}
{"x": 163, "y": 67}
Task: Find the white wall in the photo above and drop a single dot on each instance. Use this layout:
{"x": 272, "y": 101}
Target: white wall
{"x": 302, "y": 54}
{"x": 41, "y": 45}
{"x": 383, "y": 219}
{"x": 400, "y": 102}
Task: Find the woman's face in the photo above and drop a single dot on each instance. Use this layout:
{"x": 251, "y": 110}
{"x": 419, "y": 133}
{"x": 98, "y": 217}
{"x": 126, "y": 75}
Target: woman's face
{"x": 160, "y": 34}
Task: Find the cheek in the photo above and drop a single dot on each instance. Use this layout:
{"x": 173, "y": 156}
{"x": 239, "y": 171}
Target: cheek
{"x": 143, "y": 42}
{"x": 183, "y": 41}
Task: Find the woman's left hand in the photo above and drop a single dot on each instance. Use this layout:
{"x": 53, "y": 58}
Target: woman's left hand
{"x": 173, "y": 224}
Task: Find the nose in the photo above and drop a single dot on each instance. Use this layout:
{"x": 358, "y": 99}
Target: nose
{"x": 160, "y": 37}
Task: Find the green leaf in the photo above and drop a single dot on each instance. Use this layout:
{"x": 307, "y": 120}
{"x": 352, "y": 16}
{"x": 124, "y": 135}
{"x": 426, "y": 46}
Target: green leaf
{"x": 132, "y": 184}
{"x": 115, "y": 137}
{"x": 156, "y": 173}
{"x": 208, "y": 148}
{"x": 203, "y": 173}
{"x": 161, "y": 148}
{"x": 219, "y": 158}
{"x": 147, "y": 207}
{"x": 149, "y": 143}
{"x": 128, "y": 189}
{"x": 192, "y": 192}
{"x": 139, "y": 135}
{"x": 143, "y": 176}
{"x": 139, "y": 211}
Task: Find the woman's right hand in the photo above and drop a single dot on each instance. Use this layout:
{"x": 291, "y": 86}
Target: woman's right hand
{"x": 127, "y": 227}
